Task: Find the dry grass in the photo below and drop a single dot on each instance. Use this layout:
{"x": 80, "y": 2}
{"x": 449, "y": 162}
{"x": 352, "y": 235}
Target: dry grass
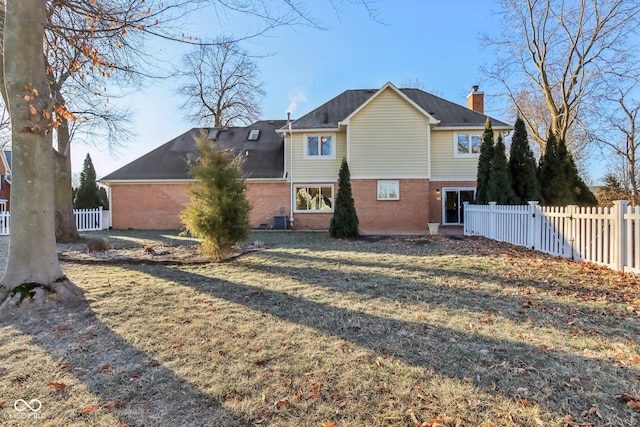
{"x": 310, "y": 331}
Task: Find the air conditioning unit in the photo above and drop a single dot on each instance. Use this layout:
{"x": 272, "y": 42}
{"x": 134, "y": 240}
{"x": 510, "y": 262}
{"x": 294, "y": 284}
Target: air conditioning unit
{"x": 280, "y": 222}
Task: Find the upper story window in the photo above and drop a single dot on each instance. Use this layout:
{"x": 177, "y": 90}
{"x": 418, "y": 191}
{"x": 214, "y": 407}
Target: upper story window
{"x": 319, "y": 146}
{"x": 467, "y": 144}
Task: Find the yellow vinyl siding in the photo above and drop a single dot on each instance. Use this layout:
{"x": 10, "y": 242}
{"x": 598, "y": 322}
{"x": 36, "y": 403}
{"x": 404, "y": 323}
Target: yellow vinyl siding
{"x": 314, "y": 170}
{"x": 443, "y": 163}
{"x": 388, "y": 138}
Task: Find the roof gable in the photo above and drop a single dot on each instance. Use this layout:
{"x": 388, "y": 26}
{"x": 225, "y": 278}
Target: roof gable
{"x": 441, "y": 112}
{"x": 389, "y": 86}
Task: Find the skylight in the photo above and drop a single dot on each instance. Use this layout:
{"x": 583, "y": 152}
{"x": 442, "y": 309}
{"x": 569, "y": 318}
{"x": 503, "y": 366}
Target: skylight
{"x": 213, "y": 134}
{"x": 253, "y": 134}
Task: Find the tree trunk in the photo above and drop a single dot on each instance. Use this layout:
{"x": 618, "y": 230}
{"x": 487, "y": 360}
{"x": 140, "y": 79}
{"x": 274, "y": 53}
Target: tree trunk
{"x": 33, "y": 270}
{"x": 66, "y": 230}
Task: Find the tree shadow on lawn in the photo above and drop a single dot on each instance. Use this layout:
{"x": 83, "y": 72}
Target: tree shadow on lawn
{"x": 146, "y": 393}
{"x": 498, "y": 249}
{"x": 321, "y": 241}
{"x": 502, "y": 366}
{"x": 564, "y": 316}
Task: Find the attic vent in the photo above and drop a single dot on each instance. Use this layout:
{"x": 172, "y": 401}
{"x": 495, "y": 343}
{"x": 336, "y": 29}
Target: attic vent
{"x": 213, "y": 134}
{"x": 253, "y": 134}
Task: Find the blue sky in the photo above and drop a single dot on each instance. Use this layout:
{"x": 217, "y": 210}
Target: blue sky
{"x": 435, "y": 42}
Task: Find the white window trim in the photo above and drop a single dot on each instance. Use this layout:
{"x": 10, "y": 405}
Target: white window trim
{"x": 388, "y": 181}
{"x": 457, "y": 154}
{"x": 305, "y": 153}
{"x": 295, "y": 194}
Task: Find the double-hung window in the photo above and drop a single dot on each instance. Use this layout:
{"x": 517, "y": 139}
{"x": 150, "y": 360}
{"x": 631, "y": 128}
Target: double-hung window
{"x": 467, "y": 144}
{"x": 319, "y": 147}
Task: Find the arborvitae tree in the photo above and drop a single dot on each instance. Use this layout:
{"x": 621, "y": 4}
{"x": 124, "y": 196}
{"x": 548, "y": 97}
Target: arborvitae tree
{"x": 344, "y": 222}
{"x": 219, "y": 210}
{"x": 484, "y": 165}
{"x": 499, "y": 180}
{"x": 88, "y": 195}
{"x": 522, "y": 166}
{"x": 104, "y": 199}
{"x": 553, "y": 183}
{"x": 580, "y": 193}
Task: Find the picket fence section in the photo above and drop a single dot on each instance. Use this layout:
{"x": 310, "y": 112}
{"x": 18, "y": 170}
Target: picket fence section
{"x": 86, "y": 220}
{"x": 605, "y": 236}
{"x": 4, "y": 223}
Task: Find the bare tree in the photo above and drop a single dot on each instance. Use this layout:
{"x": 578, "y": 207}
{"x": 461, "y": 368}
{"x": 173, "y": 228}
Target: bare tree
{"x": 221, "y": 86}
{"x": 554, "y": 56}
{"x": 414, "y": 83}
{"x": 624, "y": 143}
{"x": 33, "y": 269}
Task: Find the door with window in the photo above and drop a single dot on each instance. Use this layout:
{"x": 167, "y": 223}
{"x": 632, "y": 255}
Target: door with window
{"x": 453, "y": 204}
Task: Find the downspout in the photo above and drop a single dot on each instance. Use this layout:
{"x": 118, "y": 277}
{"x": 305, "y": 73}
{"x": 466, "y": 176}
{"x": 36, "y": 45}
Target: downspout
{"x": 110, "y": 200}
{"x": 290, "y": 170}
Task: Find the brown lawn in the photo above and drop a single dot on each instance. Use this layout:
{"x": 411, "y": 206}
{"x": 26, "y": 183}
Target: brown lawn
{"x": 308, "y": 331}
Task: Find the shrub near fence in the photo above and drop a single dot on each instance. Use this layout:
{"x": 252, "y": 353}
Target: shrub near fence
{"x": 606, "y": 236}
{"x": 86, "y": 220}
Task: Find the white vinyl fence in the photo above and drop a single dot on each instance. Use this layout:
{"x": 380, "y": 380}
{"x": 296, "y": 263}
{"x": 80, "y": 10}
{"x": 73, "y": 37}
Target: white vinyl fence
{"x": 606, "y": 236}
{"x": 86, "y": 220}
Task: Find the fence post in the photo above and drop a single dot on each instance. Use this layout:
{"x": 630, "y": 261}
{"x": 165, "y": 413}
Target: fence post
{"x": 620, "y": 252}
{"x": 531, "y": 231}
{"x": 569, "y": 231}
{"x": 467, "y": 220}
{"x": 492, "y": 220}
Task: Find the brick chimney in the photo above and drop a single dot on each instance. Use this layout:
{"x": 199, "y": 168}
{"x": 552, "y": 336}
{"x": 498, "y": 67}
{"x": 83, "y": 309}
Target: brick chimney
{"x": 475, "y": 100}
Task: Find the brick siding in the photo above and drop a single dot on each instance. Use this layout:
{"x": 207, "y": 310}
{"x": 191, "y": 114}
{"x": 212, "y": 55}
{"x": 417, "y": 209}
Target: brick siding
{"x": 411, "y": 212}
{"x": 158, "y": 206}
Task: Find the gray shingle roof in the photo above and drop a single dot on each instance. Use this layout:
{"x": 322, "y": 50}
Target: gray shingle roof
{"x": 450, "y": 114}
{"x": 170, "y": 161}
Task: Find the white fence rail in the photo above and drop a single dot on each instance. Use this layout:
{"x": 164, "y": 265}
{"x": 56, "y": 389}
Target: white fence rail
{"x": 606, "y": 236}
{"x": 86, "y": 220}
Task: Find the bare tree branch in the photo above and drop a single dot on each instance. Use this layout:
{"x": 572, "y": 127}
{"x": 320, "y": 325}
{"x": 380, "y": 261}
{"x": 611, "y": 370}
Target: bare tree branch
{"x": 221, "y": 86}
{"x": 554, "y": 57}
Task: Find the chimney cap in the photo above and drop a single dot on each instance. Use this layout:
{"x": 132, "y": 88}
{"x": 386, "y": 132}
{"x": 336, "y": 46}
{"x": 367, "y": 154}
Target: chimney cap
{"x": 475, "y": 88}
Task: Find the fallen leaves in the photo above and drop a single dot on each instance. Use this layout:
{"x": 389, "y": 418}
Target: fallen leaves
{"x": 87, "y": 409}
{"x": 442, "y": 420}
{"x": 633, "y": 402}
{"x": 57, "y": 386}
{"x": 522, "y": 402}
{"x": 111, "y": 405}
{"x": 488, "y": 319}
